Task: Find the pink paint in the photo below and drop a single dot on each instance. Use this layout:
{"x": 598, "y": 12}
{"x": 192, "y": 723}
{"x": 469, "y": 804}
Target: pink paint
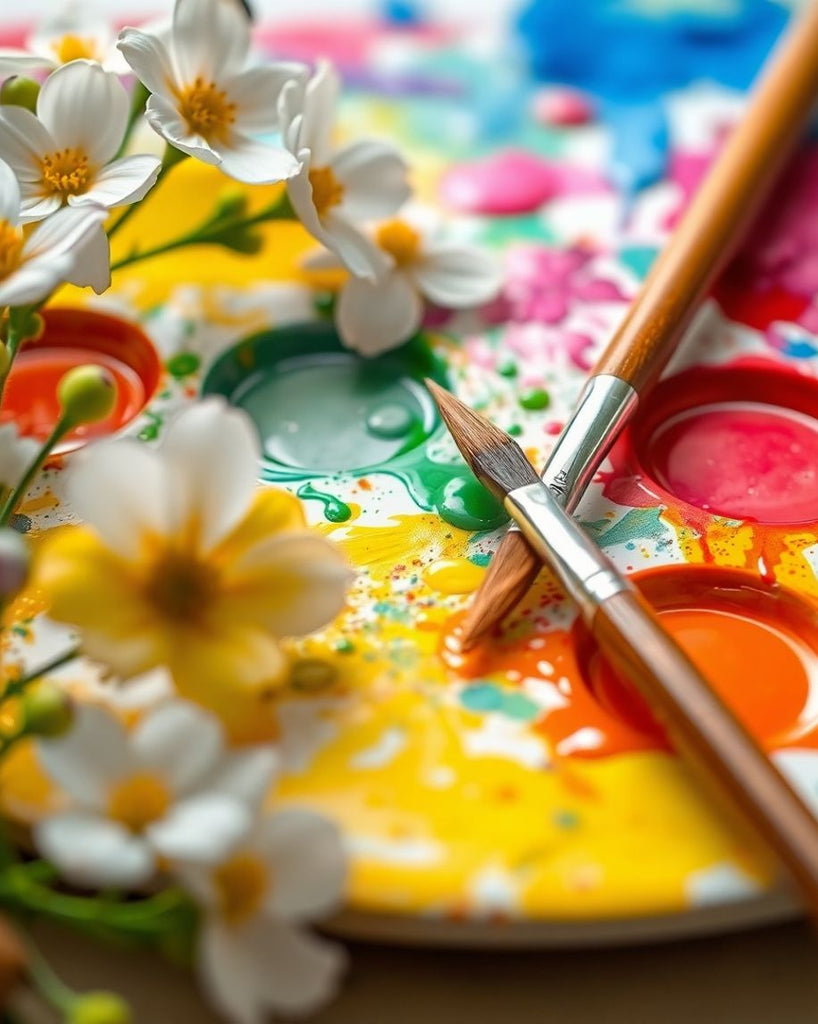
{"x": 744, "y": 460}
{"x": 561, "y": 108}
{"x": 513, "y": 181}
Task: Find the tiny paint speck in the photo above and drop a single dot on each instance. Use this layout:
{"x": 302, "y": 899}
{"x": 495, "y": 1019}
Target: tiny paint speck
{"x": 507, "y": 368}
{"x": 482, "y": 697}
{"x": 335, "y": 510}
{"x": 514, "y": 430}
{"x": 566, "y": 819}
{"x": 534, "y": 399}
{"x": 344, "y": 647}
{"x": 183, "y": 364}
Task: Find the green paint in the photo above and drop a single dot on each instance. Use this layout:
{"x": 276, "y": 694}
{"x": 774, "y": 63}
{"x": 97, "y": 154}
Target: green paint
{"x": 313, "y": 403}
{"x": 517, "y": 705}
{"x": 534, "y": 399}
{"x": 638, "y": 259}
{"x": 482, "y": 697}
{"x": 638, "y": 524}
{"x": 514, "y": 430}
{"x": 480, "y": 559}
{"x": 345, "y": 646}
{"x": 335, "y": 510}
{"x": 507, "y": 368}
{"x": 183, "y": 364}
{"x": 150, "y": 431}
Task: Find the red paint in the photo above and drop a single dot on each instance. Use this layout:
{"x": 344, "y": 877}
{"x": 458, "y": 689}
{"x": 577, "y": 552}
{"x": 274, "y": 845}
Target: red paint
{"x": 73, "y": 337}
{"x": 561, "y": 107}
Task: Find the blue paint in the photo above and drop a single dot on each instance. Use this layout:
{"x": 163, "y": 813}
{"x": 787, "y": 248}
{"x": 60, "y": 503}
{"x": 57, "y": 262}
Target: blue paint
{"x": 639, "y": 523}
{"x": 640, "y": 144}
{"x": 401, "y": 12}
{"x": 482, "y": 697}
{"x": 638, "y": 259}
{"x": 517, "y": 705}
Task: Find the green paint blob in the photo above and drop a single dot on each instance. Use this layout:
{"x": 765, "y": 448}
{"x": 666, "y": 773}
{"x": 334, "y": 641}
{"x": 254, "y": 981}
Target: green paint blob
{"x": 345, "y": 646}
{"x": 390, "y": 421}
{"x": 335, "y": 510}
{"x": 467, "y": 504}
{"x": 534, "y": 399}
{"x": 183, "y": 364}
{"x": 507, "y": 368}
{"x": 514, "y": 430}
{"x": 482, "y": 697}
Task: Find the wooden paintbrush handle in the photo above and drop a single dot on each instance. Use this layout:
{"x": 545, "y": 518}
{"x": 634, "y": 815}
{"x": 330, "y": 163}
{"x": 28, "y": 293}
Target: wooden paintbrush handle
{"x": 721, "y": 210}
{"x": 708, "y": 734}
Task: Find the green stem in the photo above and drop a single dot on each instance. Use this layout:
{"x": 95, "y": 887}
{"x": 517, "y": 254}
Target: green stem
{"x": 51, "y": 987}
{"x": 139, "y": 97}
{"x": 13, "y": 342}
{"x": 211, "y": 231}
{"x": 17, "y": 686}
{"x": 170, "y": 159}
{"x": 61, "y": 428}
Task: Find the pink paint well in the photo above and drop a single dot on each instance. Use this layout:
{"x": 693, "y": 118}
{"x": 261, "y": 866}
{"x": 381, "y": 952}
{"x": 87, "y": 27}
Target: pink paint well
{"x": 743, "y": 460}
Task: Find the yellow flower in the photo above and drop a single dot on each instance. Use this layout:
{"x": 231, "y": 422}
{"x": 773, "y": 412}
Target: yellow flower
{"x": 184, "y": 563}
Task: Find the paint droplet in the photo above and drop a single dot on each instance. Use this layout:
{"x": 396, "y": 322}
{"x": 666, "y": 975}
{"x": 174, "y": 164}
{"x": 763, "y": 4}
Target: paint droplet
{"x": 454, "y": 576}
{"x": 335, "y": 510}
{"x": 183, "y": 364}
{"x": 507, "y": 368}
{"x": 482, "y": 697}
{"x": 561, "y": 107}
{"x": 312, "y": 674}
{"x": 466, "y": 504}
{"x": 534, "y": 399}
{"x": 514, "y": 430}
{"x": 345, "y": 646}
{"x": 390, "y": 421}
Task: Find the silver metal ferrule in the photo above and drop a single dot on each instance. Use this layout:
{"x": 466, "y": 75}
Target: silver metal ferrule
{"x": 587, "y": 575}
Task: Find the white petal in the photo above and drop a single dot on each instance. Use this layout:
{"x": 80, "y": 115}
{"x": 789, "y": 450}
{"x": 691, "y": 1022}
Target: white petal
{"x": 93, "y": 852}
{"x": 14, "y": 61}
{"x": 210, "y": 38}
{"x": 374, "y": 178}
{"x": 23, "y": 141}
{"x": 307, "y": 861}
{"x": 457, "y": 277}
{"x": 34, "y": 205}
{"x": 9, "y": 195}
{"x": 375, "y": 318}
{"x": 212, "y": 452}
{"x": 92, "y": 262}
{"x": 256, "y": 163}
{"x": 201, "y": 830}
{"x": 123, "y": 181}
{"x": 246, "y": 776}
{"x": 255, "y": 93}
{"x": 320, "y": 104}
{"x": 91, "y": 756}
{"x": 265, "y": 966}
{"x": 149, "y": 58}
{"x": 83, "y": 106}
{"x": 166, "y": 121}
{"x": 120, "y": 488}
{"x": 63, "y": 232}
{"x": 35, "y": 282}
{"x": 289, "y": 108}
{"x": 180, "y": 741}
{"x": 357, "y": 251}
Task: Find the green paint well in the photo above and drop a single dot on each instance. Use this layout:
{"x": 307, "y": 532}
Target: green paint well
{"x": 335, "y": 510}
{"x": 314, "y": 402}
{"x": 534, "y": 399}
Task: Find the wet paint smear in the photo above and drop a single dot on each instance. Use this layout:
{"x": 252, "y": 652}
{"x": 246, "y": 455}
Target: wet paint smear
{"x": 741, "y": 460}
{"x": 335, "y": 510}
{"x": 321, "y": 410}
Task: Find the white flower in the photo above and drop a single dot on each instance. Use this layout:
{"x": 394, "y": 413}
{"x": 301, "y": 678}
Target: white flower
{"x": 337, "y": 190}
{"x": 373, "y": 317}
{"x": 205, "y": 99}
{"x": 65, "y": 154}
{"x": 74, "y": 33}
{"x": 66, "y": 247}
{"x": 16, "y": 455}
{"x": 167, "y": 789}
{"x": 253, "y": 957}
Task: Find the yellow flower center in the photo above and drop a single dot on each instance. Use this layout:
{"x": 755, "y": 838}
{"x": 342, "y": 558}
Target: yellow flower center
{"x": 11, "y": 248}
{"x": 241, "y": 884}
{"x": 139, "y": 801}
{"x": 65, "y": 173}
{"x": 181, "y": 587}
{"x": 327, "y": 190}
{"x": 71, "y": 47}
{"x": 400, "y": 240}
{"x": 207, "y": 110}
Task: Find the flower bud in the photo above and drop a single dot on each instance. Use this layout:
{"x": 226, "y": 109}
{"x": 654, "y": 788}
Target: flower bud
{"x": 100, "y": 1008}
{"x": 46, "y": 710}
{"x": 20, "y": 91}
{"x": 14, "y": 563}
{"x": 240, "y": 240}
{"x": 231, "y": 202}
{"x": 86, "y": 394}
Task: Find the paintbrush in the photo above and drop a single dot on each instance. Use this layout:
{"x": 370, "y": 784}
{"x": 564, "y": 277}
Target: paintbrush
{"x": 633, "y": 641}
{"x": 715, "y": 221}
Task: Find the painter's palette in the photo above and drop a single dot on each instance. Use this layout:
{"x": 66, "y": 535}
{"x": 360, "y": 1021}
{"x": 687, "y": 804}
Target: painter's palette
{"x": 522, "y": 793}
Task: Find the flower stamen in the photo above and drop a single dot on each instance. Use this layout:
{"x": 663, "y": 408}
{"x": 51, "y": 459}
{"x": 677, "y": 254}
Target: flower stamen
{"x": 11, "y": 248}
{"x": 400, "y": 240}
{"x": 327, "y": 190}
{"x": 138, "y": 801}
{"x": 241, "y": 884}
{"x": 71, "y": 47}
{"x": 65, "y": 172}
{"x": 207, "y": 110}
{"x": 181, "y": 587}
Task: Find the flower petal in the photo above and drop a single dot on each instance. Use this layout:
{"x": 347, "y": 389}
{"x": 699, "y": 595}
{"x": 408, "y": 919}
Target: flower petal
{"x": 307, "y": 860}
{"x": 237, "y": 654}
{"x": 120, "y": 488}
{"x": 24, "y": 140}
{"x": 256, "y": 163}
{"x": 14, "y": 61}
{"x": 292, "y": 583}
{"x": 246, "y": 776}
{"x": 34, "y": 205}
{"x": 166, "y": 121}
{"x": 357, "y": 251}
{"x": 375, "y": 318}
{"x": 180, "y": 741}
{"x": 211, "y": 39}
{"x": 265, "y": 966}
{"x": 374, "y": 177}
{"x": 149, "y": 57}
{"x": 255, "y": 93}
{"x": 30, "y": 284}
{"x": 201, "y": 830}
{"x": 9, "y": 194}
{"x": 92, "y": 262}
{"x": 83, "y": 106}
{"x": 457, "y": 277}
{"x": 212, "y": 456}
{"x": 318, "y": 112}
{"x": 93, "y": 852}
{"x": 64, "y": 232}
{"x": 92, "y": 755}
{"x": 123, "y": 181}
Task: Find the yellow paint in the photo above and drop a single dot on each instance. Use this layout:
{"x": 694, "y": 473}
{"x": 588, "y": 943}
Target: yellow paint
{"x": 454, "y": 576}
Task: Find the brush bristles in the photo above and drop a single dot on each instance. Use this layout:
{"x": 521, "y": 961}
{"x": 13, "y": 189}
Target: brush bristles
{"x": 494, "y": 457}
